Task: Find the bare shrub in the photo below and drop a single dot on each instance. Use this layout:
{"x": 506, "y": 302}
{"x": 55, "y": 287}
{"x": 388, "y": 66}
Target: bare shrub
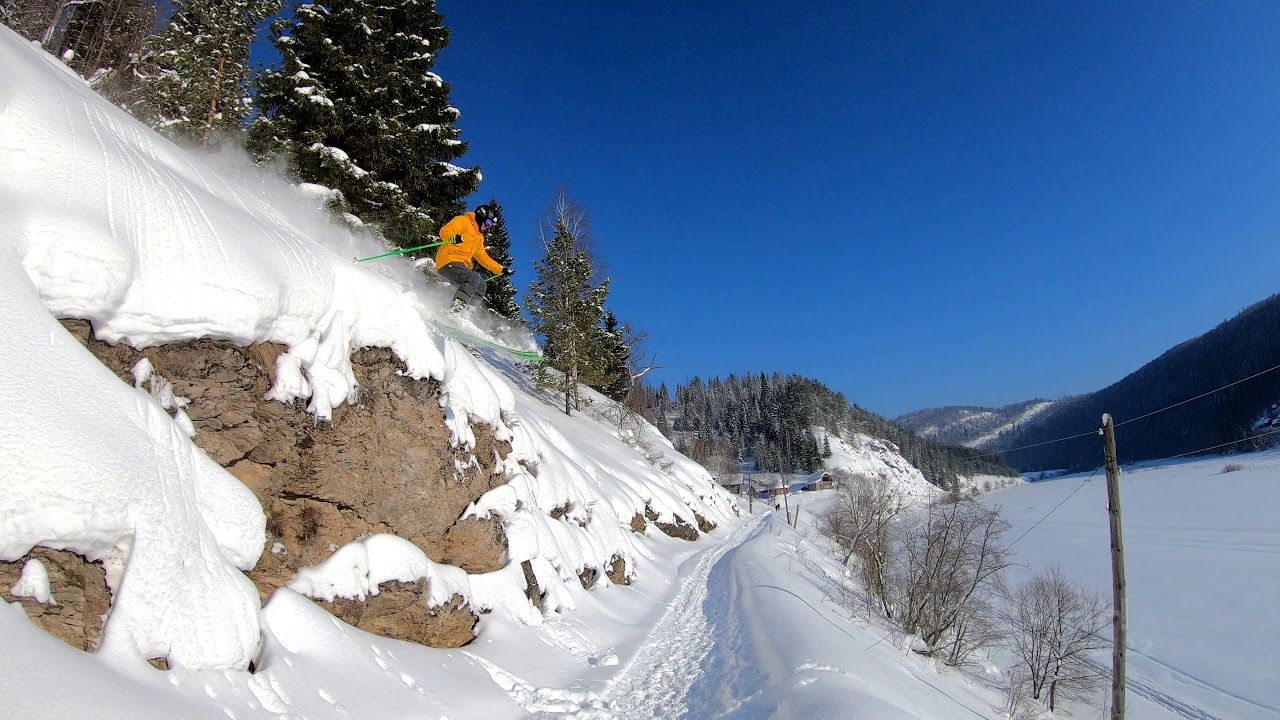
{"x": 949, "y": 563}
{"x": 309, "y": 521}
{"x": 632, "y": 429}
{"x": 858, "y": 524}
{"x": 1232, "y": 467}
{"x": 1018, "y": 702}
{"x": 977, "y": 627}
{"x": 1053, "y": 627}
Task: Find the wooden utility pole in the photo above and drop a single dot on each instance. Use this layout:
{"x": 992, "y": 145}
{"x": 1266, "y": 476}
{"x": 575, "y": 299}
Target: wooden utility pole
{"x": 1117, "y": 568}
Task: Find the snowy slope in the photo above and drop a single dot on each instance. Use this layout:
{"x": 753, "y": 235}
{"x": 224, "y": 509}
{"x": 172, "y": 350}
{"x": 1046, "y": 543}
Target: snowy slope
{"x": 1202, "y": 573}
{"x": 864, "y": 455}
{"x": 102, "y": 219}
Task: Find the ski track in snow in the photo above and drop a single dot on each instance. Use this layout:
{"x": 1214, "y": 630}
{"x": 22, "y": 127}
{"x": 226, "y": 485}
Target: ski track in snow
{"x": 1153, "y": 693}
{"x": 656, "y": 681}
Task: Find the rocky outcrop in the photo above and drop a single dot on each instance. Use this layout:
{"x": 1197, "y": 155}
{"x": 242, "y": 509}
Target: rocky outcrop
{"x": 704, "y": 525}
{"x": 383, "y": 465}
{"x": 678, "y": 529}
{"x": 399, "y": 610}
{"x": 80, "y": 599}
{"x": 617, "y": 571}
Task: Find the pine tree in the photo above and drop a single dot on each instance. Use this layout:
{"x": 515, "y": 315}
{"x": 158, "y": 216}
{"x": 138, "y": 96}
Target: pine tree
{"x": 101, "y": 39}
{"x": 661, "y": 410}
{"x": 826, "y": 447}
{"x": 566, "y": 307}
{"x": 195, "y": 73}
{"x": 356, "y": 107}
{"x": 500, "y": 295}
{"x": 612, "y": 357}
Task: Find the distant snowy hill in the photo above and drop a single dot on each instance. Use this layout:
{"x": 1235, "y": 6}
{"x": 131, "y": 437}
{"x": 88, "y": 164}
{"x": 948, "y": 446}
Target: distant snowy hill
{"x": 975, "y": 427}
{"x": 1244, "y": 348}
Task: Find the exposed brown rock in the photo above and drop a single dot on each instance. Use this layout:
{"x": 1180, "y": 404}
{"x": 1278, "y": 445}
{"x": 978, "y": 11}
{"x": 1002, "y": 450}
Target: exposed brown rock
{"x": 400, "y": 610}
{"x": 477, "y": 546}
{"x": 79, "y": 588}
{"x": 678, "y": 529}
{"x": 704, "y": 524}
{"x": 384, "y": 464}
{"x": 587, "y": 576}
{"x": 638, "y": 523}
{"x": 618, "y": 571}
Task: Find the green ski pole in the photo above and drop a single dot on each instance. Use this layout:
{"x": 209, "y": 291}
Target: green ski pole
{"x": 401, "y": 252}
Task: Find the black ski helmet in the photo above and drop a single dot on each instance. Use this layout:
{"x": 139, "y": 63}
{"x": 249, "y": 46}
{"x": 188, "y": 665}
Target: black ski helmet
{"x": 485, "y": 212}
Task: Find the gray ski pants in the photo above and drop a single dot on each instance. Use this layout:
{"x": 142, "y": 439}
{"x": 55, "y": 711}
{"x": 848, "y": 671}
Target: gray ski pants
{"x": 471, "y": 286}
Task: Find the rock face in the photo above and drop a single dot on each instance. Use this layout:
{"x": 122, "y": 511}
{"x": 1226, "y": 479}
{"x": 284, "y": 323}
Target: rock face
{"x": 678, "y": 529}
{"x": 618, "y": 571}
{"x": 384, "y": 464}
{"x": 399, "y": 610}
{"x": 79, "y": 589}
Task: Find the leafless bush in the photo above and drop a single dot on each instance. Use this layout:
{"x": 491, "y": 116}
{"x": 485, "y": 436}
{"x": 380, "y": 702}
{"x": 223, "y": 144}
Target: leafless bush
{"x": 977, "y": 627}
{"x": 949, "y": 563}
{"x": 1018, "y": 703}
{"x": 858, "y": 524}
{"x": 934, "y": 575}
{"x": 1053, "y": 627}
{"x": 631, "y": 429}
{"x": 1232, "y": 467}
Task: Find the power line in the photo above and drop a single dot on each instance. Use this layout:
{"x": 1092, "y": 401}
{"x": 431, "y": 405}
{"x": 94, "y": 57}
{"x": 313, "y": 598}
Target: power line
{"x": 1142, "y": 417}
{"x": 1211, "y": 447}
{"x": 1152, "y": 467}
{"x": 1046, "y": 442}
{"x": 1204, "y": 394}
{"x": 1053, "y": 510}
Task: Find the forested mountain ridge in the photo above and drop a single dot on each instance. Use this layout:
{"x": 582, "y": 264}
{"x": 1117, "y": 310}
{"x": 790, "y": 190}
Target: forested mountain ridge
{"x": 769, "y": 420}
{"x": 972, "y": 426}
{"x": 1238, "y": 348}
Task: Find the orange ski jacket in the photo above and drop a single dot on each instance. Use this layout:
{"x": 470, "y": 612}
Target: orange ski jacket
{"x": 470, "y": 249}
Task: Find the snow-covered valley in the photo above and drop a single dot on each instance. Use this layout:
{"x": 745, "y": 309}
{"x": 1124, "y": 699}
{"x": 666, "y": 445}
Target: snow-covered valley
{"x": 237, "y": 562}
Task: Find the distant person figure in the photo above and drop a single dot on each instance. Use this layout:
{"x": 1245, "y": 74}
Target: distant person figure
{"x": 463, "y": 239}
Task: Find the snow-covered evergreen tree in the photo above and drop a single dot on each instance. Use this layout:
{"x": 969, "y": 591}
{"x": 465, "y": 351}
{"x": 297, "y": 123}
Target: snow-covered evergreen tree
{"x": 500, "y": 294}
{"x": 356, "y": 107}
{"x": 612, "y": 357}
{"x": 195, "y": 74}
{"x": 566, "y": 307}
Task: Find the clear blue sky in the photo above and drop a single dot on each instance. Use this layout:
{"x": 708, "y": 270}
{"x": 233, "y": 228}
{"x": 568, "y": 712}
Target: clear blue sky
{"x": 920, "y": 204}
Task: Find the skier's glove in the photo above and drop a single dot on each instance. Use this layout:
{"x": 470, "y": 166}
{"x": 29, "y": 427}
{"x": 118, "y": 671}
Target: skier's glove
{"x": 508, "y": 271}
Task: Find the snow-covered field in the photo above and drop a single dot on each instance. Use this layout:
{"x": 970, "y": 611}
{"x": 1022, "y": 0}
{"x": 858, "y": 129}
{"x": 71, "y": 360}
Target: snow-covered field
{"x": 1202, "y": 561}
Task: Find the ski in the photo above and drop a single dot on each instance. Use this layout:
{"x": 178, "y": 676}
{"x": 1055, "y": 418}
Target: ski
{"x": 473, "y": 340}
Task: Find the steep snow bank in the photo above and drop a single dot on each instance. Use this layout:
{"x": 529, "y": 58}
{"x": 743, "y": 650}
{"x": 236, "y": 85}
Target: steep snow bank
{"x": 102, "y": 219}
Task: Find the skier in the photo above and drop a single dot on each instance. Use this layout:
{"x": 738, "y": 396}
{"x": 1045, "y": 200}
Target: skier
{"x": 464, "y": 243}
